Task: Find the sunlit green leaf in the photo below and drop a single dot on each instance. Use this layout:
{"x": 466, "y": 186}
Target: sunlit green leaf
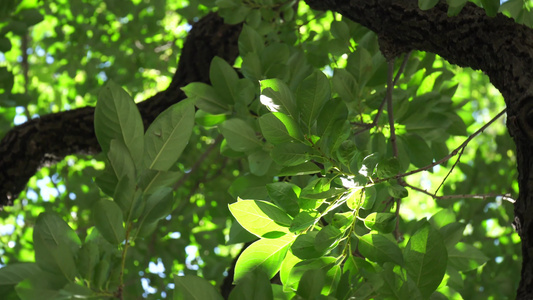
{"x": 260, "y": 217}
{"x": 278, "y": 128}
{"x": 264, "y": 254}
{"x": 425, "y": 259}
{"x": 277, "y": 97}
{"x": 380, "y": 249}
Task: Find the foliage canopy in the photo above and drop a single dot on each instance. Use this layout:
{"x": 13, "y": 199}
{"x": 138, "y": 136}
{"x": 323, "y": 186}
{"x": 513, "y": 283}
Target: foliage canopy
{"x": 342, "y": 173}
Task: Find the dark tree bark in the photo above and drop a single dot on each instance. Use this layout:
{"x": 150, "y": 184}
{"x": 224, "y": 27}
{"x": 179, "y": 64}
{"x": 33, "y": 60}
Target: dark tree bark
{"x": 48, "y": 139}
{"x": 497, "y": 45}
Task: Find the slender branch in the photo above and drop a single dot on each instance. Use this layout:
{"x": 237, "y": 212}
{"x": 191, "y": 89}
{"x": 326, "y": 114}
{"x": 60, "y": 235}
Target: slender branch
{"x": 506, "y": 197}
{"x": 199, "y": 161}
{"x": 390, "y": 113}
{"x": 450, "y": 171}
{"x": 447, "y": 157}
{"x": 382, "y": 105}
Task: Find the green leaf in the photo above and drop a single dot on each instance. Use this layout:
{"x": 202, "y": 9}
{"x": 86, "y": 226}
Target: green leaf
{"x": 260, "y": 217}
{"x": 42, "y": 285}
{"x": 192, "y": 287}
{"x": 237, "y": 234}
{"x": 452, "y": 234}
{"x": 250, "y": 41}
{"x": 397, "y": 191}
{"x": 303, "y": 169}
{"x": 278, "y": 128}
{"x": 251, "y": 66}
{"x": 327, "y": 238}
{"x": 158, "y": 205}
{"x": 491, "y": 6}
{"x": 288, "y": 264}
{"x": 370, "y": 197}
{"x": 311, "y": 96}
{"x": 382, "y": 222}
{"x": 360, "y": 65}
{"x": 88, "y": 258}
{"x": 419, "y": 152}
{"x": 107, "y": 180}
{"x": 168, "y": 135}
{"x": 223, "y": 79}
{"x": 277, "y": 97}
{"x": 5, "y": 45}
{"x": 30, "y": 16}
{"x": 108, "y": 219}
{"x": 342, "y": 220}
{"x": 304, "y": 246}
{"x": 340, "y": 30}
{"x": 151, "y": 181}
{"x": 427, "y": 4}
{"x": 285, "y": 195}
{"x": 56, "y": 245}
{"x": 311, "y": 283}
{"x": 259, "y": 162}
{"x": 125, "y": 197}
{"x": 442, "y": 218}
{"x": 209, "y": 120}
{"x": 120, "y": 160}
{"x": 290, "y": 154}
{"x": 304, "y": 220}
{"x": 116, "y": 117}
{"x": 240, "y": 136}
{"x": 16, "y": 272}
{"x": 322, "y": 263}
{"x": 255, "y": 285}
{"x": 345, "y": 85}
{"x": 380, "y": 249}
{"x": 388, "y": 168}
{"x": 264, "y": 254}
{"x": 205, "y": 97}
{"x": 426, "y": 258}
{"x": 465, "y": 257}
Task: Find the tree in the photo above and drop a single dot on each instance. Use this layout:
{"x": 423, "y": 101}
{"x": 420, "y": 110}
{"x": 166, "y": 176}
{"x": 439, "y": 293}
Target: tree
{"x": 351, "y": 147}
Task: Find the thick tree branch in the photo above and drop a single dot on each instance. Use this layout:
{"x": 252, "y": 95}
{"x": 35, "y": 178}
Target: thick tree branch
{"x": 50, "y": 138}
{"x": 496, "y": 45}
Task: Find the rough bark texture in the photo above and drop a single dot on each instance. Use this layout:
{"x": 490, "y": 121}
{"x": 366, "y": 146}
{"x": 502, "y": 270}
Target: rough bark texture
{"x": 50, "y": 138}
{"x": 497, "y": 46}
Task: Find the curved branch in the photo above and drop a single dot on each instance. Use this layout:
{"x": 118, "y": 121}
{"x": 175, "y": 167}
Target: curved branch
{"x": 48, "y": 139}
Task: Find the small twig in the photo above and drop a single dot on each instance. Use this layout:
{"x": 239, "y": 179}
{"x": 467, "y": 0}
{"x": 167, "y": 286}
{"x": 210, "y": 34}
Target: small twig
{"x": 506, "y": 197}
{"x": 199, "y": 161}
{"x": 25, "y": 69}
{"x": 447, "y": 157}
{"x": 450, "y": 171}
{"x": 390, "y": 86}
{"x": 382, "y": 105}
